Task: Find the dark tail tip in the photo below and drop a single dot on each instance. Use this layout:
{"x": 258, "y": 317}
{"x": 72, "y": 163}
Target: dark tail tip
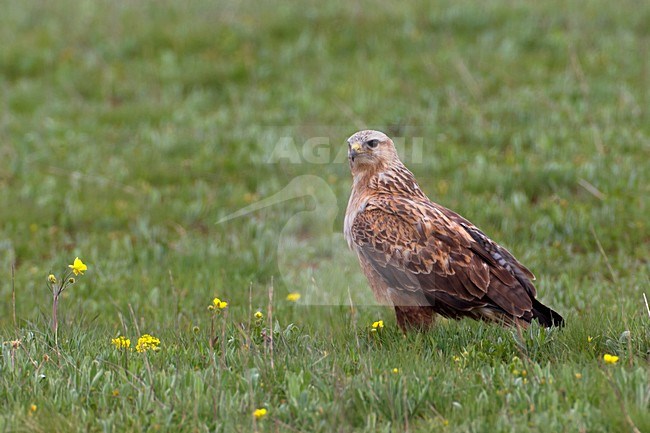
{"x": 546, "y": 316}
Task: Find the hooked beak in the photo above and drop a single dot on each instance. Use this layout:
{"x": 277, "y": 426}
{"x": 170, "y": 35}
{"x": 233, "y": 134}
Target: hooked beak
{"x": 355, "y": 150}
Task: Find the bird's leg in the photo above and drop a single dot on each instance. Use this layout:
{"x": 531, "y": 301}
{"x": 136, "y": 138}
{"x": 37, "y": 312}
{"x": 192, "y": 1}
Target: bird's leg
{"x": 415, "y": 318}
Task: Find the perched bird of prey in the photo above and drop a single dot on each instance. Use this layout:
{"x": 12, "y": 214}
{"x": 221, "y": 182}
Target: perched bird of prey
{"x": 423, "y": 258}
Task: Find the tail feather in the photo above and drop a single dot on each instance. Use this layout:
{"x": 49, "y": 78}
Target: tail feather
{"x": 546, "y": 316}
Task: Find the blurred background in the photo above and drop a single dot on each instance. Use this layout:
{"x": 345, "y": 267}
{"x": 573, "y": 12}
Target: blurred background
{"x": 128, "y": 130}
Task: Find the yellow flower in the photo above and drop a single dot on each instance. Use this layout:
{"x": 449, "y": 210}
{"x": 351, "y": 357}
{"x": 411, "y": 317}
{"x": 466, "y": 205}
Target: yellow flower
{"x": 33, "y": 408}
{"x": 147, "y": 342}
{"x": 293, "y": 297}
{"x": 258, "y": 315}
{"x": 121, "y": 342}
{"x": 218, "y": 304}
{"x": 378, "y": 324}
{"x": 78, "y": 267}
{"x": 578, "y": 375}
{"x": 610, "y": 359}
{"x": 589, "y": 338}
{"x": 395, "y": 370}
{"x": 260, "y": 413}
{"x": 116, "y": 393}
{"x": 51, "y": 278}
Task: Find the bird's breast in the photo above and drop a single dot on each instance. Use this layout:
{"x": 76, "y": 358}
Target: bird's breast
{"x": 356, "y": 204}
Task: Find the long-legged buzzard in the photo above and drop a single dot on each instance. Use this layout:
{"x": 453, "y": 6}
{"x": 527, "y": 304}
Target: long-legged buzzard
{"x": 421, "y": 257}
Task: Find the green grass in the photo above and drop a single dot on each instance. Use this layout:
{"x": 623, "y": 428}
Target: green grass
{"x": 128, "y": 129}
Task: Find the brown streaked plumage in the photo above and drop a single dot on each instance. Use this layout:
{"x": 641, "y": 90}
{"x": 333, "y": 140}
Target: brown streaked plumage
{"x": 421, "y": 257}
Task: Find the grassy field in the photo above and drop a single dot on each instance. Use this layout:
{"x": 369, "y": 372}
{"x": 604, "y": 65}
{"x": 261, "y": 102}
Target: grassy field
{"x": 131, "y": 131}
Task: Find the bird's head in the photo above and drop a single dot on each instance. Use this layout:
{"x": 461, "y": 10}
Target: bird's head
{"x": 370, "y": 151}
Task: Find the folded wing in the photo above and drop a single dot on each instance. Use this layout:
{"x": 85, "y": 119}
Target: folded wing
{"x": 423, "y": 252}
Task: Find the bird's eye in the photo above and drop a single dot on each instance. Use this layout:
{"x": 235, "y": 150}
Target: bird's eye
{"x": 372, "y": 143}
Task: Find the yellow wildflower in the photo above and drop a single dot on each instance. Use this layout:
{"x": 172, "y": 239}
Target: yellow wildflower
{"x": 51, "y": 278}
{"x": 610, "y": 359}
{"x": 377, "y": 325}
{"x": 395, "y": 370}
{"x": 260, "y": 413}
{"x": 258, "y": 315}
{"x": 78, "y": 267}
{"x": 147, "y": 342}
{"x": 589, "y": 339}
{"x": 293, "y": 297}
{"x": 578, "y": 375}
{"x": 33, "y": 408}
{"x": 121, "y": 342}
{"x": 218, "y": 304}
{"x": 116, "y": 393}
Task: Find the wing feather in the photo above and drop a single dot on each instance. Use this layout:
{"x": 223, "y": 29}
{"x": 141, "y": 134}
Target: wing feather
{"x": 420, "y": 249}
